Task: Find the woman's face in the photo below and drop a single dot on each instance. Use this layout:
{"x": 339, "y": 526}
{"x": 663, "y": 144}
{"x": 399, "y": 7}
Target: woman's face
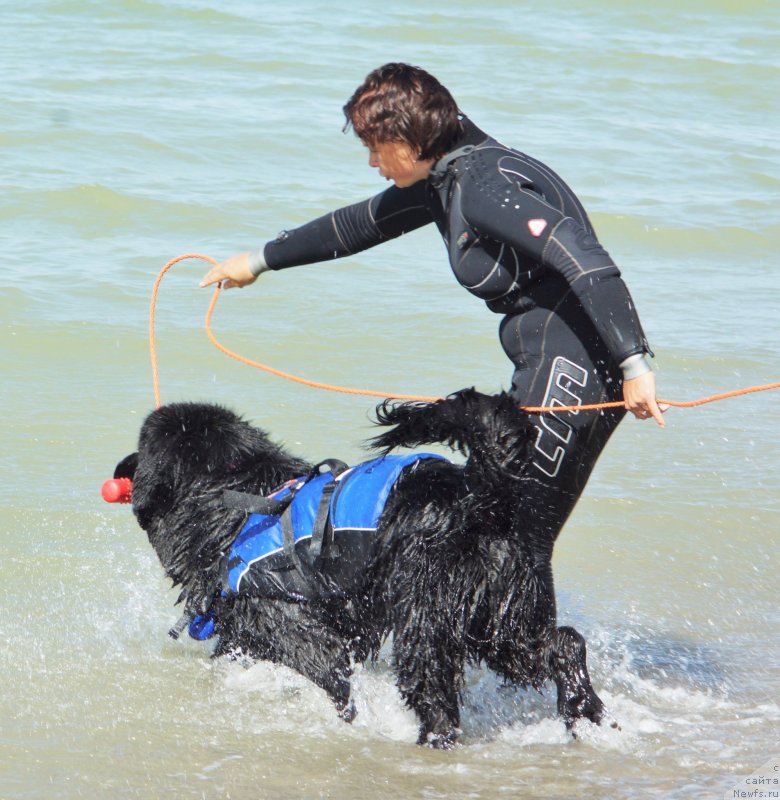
{"x": 397, "y": 162}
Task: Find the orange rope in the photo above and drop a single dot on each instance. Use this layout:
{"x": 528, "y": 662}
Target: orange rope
{"x": 367, "y": 392}
{"x": 152, "y": 312}
{"x": 290, "y": 377}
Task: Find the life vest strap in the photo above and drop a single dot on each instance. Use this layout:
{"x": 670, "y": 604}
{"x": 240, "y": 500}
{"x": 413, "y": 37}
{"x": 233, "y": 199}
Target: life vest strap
{"x": 288, "y": 541}
{"x": 184, "y": 620}
{"x": 322, "y": 526}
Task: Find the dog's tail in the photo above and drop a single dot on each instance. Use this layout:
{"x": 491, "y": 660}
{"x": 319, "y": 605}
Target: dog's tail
{"x": 489, "y": 429}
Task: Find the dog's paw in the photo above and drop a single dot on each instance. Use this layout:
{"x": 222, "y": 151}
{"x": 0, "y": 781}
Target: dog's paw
{"x": 608, "y": 720}
{"x": 598, "y": 716}
{"x": 439, "y": 741}
{"x": 348, "y": 712}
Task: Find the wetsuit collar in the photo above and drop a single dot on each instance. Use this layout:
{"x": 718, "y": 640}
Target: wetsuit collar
{"x": 472, "y": 137}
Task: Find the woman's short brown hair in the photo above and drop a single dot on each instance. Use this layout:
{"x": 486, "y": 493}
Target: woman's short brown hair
{"x": 402, "y": 103}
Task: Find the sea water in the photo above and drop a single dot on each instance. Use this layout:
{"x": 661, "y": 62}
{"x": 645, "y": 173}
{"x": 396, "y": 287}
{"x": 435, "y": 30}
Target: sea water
{"x": 134, "y": 131}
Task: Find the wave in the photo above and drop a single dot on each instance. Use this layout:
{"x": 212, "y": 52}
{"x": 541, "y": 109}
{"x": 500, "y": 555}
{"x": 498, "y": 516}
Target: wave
{"x": 96, "y": 210}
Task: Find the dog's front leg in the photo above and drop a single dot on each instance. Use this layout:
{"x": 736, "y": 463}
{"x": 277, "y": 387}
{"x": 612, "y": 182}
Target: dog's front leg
{"x": 295, "y": 635}
{"x": 576, "y": 697}
{"x": 323, "y": 658}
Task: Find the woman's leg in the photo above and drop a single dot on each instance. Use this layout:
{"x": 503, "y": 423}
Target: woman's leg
{"x": 560, "y": 361}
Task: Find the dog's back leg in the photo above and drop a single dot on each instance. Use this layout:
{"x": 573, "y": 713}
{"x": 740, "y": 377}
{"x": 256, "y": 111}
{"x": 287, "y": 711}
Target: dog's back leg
{"x": 576, "y": 696}
{"x": 429, "y": 676}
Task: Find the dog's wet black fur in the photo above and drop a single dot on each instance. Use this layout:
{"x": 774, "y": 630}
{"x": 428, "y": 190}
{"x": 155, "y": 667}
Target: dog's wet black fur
{"x": 453, "y": 576}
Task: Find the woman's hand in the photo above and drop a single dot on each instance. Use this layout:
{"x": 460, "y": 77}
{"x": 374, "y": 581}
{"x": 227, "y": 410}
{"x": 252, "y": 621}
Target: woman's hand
{"x": 639, "y": 396}
{"x": 234, "y": 272}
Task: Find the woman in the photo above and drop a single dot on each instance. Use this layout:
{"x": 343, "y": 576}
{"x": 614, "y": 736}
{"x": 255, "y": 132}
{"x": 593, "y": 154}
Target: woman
{"x": 519, "y": 239}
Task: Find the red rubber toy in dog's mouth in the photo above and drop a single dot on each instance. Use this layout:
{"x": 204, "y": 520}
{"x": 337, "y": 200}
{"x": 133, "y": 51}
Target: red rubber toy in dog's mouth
{"x": 117, "y": 490}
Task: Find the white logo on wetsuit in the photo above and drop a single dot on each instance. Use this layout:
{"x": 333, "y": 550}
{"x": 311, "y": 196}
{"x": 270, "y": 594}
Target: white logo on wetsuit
{"x": 554, "y": 432}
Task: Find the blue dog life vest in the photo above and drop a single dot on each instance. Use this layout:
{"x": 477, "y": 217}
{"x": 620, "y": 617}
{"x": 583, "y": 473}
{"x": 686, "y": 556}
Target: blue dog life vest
{"x": 323, "y": 557}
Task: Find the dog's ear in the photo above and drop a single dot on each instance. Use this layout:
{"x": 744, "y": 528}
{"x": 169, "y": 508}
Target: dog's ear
{"x": 154, "y": 493}
{"x": 126, "y": 467}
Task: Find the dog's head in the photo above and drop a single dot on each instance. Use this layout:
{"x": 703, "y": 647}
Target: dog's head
{"x": 201, "y": 437}
{"x": 188, "y": 454}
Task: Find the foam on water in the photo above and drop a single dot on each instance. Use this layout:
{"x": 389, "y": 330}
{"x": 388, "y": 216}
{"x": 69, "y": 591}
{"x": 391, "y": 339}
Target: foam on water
{"x": 672, "y": 705}
{"x": 678, "y": 706}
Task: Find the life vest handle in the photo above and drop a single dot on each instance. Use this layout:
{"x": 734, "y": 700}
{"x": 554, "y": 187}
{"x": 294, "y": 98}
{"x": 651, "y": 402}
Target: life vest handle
{"x": 255, "y": 503}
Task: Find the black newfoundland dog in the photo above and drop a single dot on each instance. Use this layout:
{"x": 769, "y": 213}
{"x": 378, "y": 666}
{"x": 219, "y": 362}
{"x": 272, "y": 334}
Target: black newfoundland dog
{"x": 314, "y": 567}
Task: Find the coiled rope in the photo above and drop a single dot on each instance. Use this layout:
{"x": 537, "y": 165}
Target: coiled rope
{"x": 367, "y": 392}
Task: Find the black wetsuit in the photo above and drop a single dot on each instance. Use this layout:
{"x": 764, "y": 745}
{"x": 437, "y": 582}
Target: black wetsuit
{"x": 519, "y": 239}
